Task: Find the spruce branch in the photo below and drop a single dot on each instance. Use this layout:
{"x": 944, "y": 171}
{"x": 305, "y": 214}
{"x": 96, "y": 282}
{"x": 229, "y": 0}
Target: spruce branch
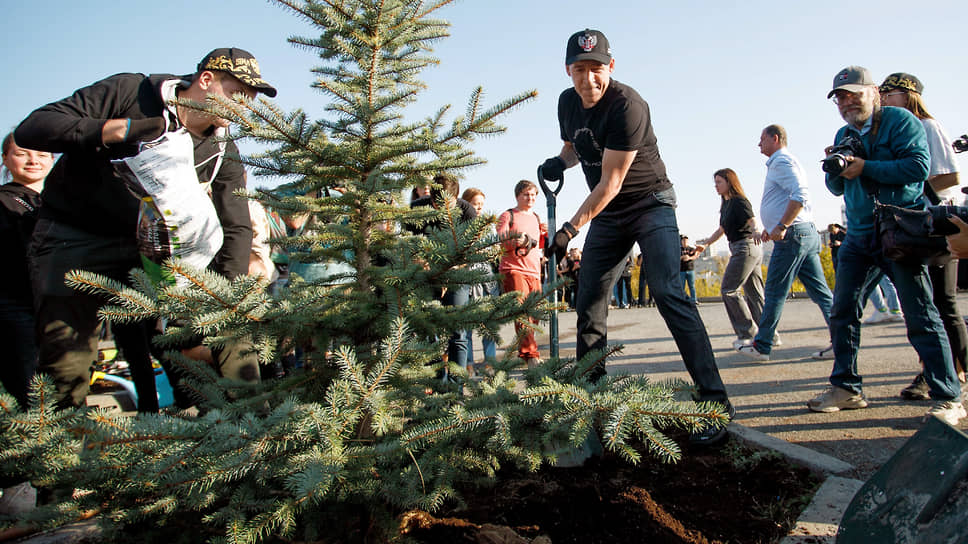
{"x": 367, "y": 421}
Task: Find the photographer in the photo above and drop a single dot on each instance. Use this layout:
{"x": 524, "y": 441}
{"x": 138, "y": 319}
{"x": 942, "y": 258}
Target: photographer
{"x": 895, "y": 168}
{"x": 521, "y": 261}
{"x": 904, "y": 91}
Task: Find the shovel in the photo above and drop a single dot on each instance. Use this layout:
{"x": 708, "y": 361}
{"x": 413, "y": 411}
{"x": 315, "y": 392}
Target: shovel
{"x": 919, "y": 496}
{"x": 551, "y": 196}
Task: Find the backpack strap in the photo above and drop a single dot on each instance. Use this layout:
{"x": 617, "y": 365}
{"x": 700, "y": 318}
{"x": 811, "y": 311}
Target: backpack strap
{"x": 511, "y": 222}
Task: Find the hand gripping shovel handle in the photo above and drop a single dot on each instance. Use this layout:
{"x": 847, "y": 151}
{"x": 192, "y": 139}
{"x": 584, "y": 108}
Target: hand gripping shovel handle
{"x": 551, "y": 196}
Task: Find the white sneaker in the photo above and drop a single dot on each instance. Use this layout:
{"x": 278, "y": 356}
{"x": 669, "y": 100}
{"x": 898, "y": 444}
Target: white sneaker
{"x": 895, "y": 316}
{"x": 949, "y": 411}
{"x": 825, "y": 353}
{"x": 753, "y": 353}
{"x": 834, "y": 399}
{"x": 740, "y": 342}
{"x": 878, "y": 317}
{"x": 776, "y": 340}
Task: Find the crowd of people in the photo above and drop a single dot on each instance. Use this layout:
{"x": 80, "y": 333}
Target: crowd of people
{"x": 88, "y": 220}
{"x": 902, "y": 155}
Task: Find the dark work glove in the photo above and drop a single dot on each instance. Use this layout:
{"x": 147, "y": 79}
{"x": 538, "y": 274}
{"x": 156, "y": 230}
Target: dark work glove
{"x": 558, "y": 245}
{"x": 145, "y": 130}
{"x": 553, "y": 169}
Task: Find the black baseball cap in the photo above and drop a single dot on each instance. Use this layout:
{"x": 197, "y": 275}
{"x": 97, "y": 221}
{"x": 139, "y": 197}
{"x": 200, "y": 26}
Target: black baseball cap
{"x": 241, "y": 64}
{"x": 588, "y": 45}
{"x": 905, "y": 82}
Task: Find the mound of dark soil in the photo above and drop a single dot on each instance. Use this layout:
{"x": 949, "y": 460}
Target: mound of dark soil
{"x": 733, "y": 495}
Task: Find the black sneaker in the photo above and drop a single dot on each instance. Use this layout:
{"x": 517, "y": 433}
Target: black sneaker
{"x": 712, "y": 435}
{"x": 918, "y": 390}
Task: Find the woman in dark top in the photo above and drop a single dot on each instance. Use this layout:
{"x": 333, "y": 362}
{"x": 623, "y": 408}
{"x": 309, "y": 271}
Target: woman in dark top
{"x": 19, "y": 205}
{"x": 737, "y": 222}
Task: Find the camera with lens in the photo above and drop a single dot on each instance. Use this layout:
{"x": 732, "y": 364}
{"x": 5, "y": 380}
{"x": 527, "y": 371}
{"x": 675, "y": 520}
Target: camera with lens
{"x": 961, "y": 144}
{"x": 526, "y": 244}
{"x": 939, "y": 223}
{"x": 836, "y": 161}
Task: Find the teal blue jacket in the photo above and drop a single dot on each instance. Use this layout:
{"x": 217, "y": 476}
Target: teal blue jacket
{"x": 898, "y": 161}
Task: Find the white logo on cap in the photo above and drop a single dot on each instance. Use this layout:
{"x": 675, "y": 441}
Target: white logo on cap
{"x": 587, "y": 42}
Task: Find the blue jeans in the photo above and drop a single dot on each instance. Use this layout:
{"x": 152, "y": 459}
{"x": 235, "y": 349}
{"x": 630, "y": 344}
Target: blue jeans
{"x": 458, "y": 343}
{"x": 857, "y": 274}
{"x": 887, "y": 301}
{"x": 797, "y": 255}
{"x": 623, "y": 291}
{"x": 488, "y": 345}
{"x": 688, "y": 278}
{"x": 651, "y": 223}
{"x": 491, "y": 289}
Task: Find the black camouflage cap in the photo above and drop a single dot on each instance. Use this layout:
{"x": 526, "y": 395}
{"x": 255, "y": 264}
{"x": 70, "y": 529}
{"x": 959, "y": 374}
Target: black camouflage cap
{"x": 241, "y": 64}
{"x": 905, "y": 82}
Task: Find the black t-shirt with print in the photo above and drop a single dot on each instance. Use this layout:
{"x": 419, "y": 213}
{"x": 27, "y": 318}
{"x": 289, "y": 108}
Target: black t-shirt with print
{"x": 687, "y": 265}
{"x": 620, "y": 121}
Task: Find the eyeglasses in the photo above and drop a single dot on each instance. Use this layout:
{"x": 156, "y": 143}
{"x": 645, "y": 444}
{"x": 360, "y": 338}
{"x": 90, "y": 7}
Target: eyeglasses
{"x": 843, "y": 97}
{"x": 895, "y": 93}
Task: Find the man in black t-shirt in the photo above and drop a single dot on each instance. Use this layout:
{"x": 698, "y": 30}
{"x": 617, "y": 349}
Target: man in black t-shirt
{"x": 606, "y": 126}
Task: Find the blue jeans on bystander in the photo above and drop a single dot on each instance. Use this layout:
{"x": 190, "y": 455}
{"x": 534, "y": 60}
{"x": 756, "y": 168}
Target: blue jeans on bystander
{"x": 858, "y": 271}
{"x": 797, "y": 255}
{"x": 457, "y": 345}
{"x": 688, "y": 278}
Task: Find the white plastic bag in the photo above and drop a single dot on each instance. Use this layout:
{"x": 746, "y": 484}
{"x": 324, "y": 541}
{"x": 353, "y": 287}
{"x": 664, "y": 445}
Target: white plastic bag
{"x": 177, "y": 217}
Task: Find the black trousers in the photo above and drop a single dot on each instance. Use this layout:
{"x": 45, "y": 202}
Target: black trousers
{"x": 944, "y": 281}
{"x": 67, "y": 325}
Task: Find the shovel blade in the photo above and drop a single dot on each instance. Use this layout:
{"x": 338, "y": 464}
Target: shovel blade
{"x": 919, "y": 495}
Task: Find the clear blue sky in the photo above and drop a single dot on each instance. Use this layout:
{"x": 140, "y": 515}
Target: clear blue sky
{"x": 714, "y": 73}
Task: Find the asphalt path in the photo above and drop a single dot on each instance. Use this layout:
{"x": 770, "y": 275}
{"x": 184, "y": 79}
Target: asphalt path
{"x": 771, "y": 397}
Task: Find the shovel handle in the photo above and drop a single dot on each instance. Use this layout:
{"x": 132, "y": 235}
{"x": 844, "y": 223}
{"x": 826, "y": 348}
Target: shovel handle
{"x": 548, "y": 191}
{"x": 551, "y": 196}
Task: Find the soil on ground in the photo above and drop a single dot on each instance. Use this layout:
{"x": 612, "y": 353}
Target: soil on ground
{"x": 731, "y": 495}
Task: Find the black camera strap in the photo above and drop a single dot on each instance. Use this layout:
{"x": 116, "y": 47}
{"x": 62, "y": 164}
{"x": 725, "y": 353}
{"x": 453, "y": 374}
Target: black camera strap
{"x": 870, "y": 185}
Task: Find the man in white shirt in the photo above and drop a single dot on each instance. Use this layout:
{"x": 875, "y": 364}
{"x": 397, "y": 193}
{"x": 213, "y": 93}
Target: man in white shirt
{"x": 788, "y": 221}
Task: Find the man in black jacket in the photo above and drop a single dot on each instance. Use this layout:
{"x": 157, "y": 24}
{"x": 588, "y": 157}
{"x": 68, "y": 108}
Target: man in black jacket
{"x": 89, "y": 218}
